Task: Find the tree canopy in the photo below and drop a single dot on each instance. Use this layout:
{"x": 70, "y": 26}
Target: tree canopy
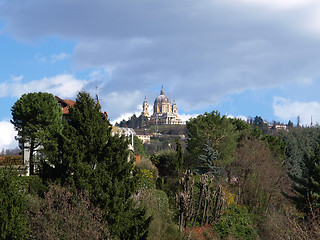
{"x": 218, "y": 129}
{"x": 38, "y": 119}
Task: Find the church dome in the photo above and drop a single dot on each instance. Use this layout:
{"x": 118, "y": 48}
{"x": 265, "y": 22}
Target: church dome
{"x": 162, "y": 98}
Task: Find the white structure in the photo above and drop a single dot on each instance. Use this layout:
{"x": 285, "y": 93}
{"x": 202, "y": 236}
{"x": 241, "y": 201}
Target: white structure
{"x": 144, "y": 138}
{"x": 128, "y": 132}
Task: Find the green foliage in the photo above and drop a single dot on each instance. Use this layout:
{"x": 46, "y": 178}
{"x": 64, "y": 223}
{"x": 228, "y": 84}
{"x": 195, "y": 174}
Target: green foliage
{"x": 219, "y": 130}
{"x": 12, "y": 207}
{"x": 147, "y": 174}
{"x": 208, "y": 161}
{"x": 138, "y": 147}
{"x": 89, "y": 158}
{"x": 276, "y": 145}
{"x": 38, "y": 119}
{"x": 235, "y": 222}
{"x": 179, "y": 156}
{"x": 157, "y": 204}
{"x": 145, "y": 179}
{"x": 166, "y": 162}
{"x": 146, "y": 164}
{"x": 308, "y": 186}
{"x": 300, "y": 145}
{"x": 239, "y": 124}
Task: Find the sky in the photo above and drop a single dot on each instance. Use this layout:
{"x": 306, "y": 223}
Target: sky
{"x": 243, "y": 58}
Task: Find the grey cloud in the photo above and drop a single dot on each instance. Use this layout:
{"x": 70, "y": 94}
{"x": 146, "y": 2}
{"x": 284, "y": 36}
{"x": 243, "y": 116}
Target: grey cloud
{"x": 199, "y": 50}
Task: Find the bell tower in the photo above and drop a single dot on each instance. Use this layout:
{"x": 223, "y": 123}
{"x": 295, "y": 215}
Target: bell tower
{"x": 145, "y": 108}
{"x": 174, "y": 108}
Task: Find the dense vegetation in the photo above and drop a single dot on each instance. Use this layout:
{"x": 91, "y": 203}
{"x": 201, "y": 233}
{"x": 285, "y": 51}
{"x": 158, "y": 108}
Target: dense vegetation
{"x": 233, "y": 180}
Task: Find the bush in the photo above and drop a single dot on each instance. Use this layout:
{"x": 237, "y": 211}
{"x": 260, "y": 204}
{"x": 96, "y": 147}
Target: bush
{"x": 146, "y": 164}
{"x": 156, "y": 203}
{"x": 235, "y": 222}
{"x": 147, "y": 173}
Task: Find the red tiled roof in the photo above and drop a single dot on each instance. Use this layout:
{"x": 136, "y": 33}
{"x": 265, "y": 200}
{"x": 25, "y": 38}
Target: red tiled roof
{"x": 65, "y": 104}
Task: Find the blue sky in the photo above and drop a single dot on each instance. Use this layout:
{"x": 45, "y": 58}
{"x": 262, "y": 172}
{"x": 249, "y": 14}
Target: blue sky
{"x": 244, "y": 58}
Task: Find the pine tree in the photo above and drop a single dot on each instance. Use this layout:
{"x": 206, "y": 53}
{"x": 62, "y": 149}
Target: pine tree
{"x": 89, "y": 158}
{"x": 38, "y": 119}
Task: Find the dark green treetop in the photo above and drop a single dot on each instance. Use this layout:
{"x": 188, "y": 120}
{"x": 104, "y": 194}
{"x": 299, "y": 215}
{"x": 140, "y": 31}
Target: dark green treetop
{"x": 38, "y": 119}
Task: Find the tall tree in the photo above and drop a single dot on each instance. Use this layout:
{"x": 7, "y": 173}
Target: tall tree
{"x": 219, "y": 130}
{"x": 89, "y": 158}
{"x": 38, "y": 119}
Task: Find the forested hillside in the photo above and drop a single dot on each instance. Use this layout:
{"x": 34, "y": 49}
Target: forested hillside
{"x": 232, "y": 180}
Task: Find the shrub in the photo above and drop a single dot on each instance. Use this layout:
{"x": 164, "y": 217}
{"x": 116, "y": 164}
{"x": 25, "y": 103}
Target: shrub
{"x": 147, "y": 173}
{"x": 156, "y": 203}
{"x": 235, "y": 222}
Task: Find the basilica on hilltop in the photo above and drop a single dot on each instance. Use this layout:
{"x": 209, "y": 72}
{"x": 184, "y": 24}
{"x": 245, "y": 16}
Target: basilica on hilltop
{"x": 163, "y": 111}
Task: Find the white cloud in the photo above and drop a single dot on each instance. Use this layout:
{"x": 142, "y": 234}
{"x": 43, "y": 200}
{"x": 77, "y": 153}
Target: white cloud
{"x": 280, "y": 4}
{"x": 64, "y": 85}
{"x": 187, "y": 117}
{"x": 244, "y": 118}
{"x": 59, "y": 57}
{"x": 305, "y": 81}
{"x": 7, "y": 136}
{"x": 119, "y": 104}
{"x": 287, "y": 109}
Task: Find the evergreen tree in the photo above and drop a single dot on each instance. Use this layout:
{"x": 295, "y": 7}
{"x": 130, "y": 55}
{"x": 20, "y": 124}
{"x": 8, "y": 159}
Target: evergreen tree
{"x": 89, "y": 158}
{"x": 12, "y": 208}
{"x": 300, "y": 144}
{"x": 38, "y": 119}
{"x": 208, "y": 161}
{"x": 308, "y": 185}
{"x": 290, "y": 124}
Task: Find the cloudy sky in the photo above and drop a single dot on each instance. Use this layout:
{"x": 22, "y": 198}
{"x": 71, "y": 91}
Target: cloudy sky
{"x": 240, "y": 57}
